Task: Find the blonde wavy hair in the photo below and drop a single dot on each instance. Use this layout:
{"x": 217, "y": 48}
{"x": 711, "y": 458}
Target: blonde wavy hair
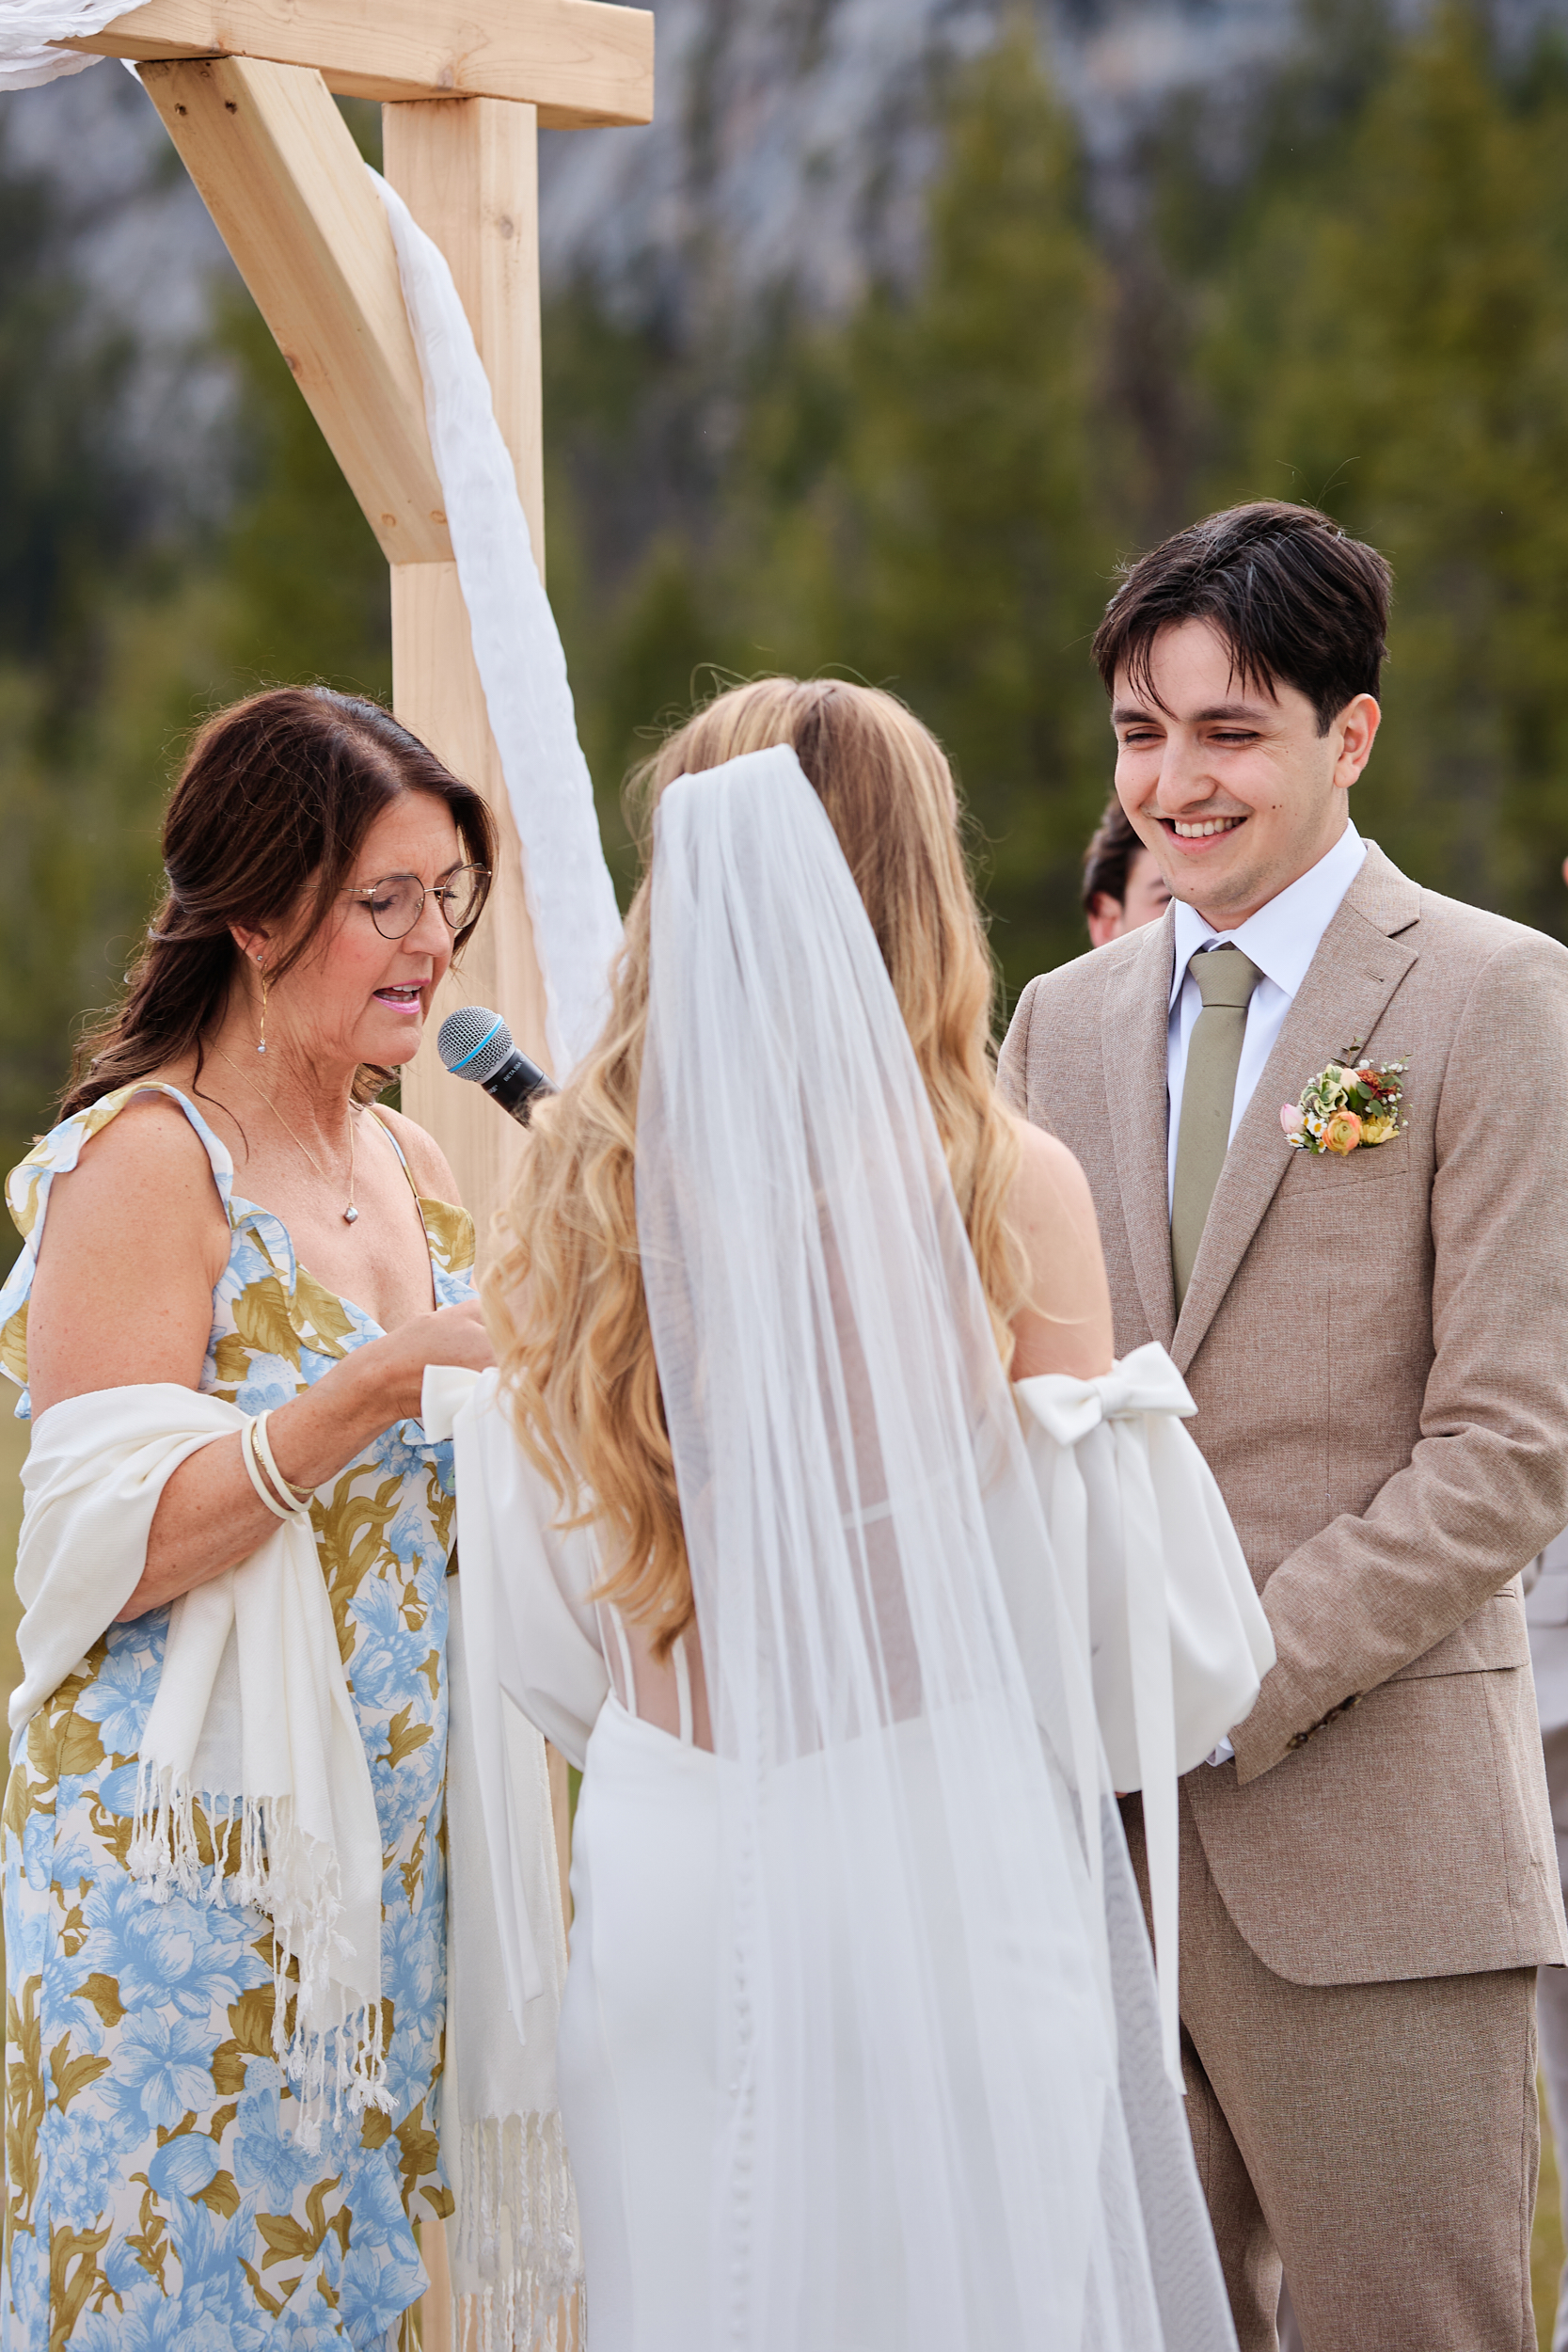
{"x": 565, "y": 1301}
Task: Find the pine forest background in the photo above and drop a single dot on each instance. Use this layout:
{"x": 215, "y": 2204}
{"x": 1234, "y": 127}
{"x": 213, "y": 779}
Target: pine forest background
{"x": 1054, "y": 316}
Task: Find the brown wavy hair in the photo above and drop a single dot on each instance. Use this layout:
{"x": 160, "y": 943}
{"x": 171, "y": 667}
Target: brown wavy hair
{"x": 565, "y": 1301}
{"x": 275, "y": 798}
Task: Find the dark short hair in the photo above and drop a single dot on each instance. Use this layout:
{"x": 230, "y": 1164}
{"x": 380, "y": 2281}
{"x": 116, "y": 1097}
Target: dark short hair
{"x": 1295, "y": 597}
{"x": 1112, "y": 848}
{"x": 276, "y": 796}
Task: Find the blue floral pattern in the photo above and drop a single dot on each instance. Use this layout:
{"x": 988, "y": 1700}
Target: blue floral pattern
{"x": 159, "y": 2195}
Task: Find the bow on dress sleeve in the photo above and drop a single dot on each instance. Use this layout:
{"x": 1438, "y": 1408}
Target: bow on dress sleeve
{"x": 1159, "y": 1590}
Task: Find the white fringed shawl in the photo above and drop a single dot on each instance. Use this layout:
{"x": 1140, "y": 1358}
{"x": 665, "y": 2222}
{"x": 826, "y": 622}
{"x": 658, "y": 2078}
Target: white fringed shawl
{"x": 253, "y": 1723}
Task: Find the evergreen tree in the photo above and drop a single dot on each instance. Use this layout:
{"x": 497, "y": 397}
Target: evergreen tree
{"x": 927, "y": 497}
{"x": 71, "y": 510}
{"x": 1394, "y": 345}
{"x": 979, "y": 477}
{"x": 70, "y": 505}
{"x": 113, "y": 649}
{"x": 300, "y": 575}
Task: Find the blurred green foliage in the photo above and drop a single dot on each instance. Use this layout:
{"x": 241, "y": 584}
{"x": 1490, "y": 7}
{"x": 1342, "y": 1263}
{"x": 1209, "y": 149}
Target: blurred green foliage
{"x": 1353, "y": 288}
{"x": 1357, "y": 293}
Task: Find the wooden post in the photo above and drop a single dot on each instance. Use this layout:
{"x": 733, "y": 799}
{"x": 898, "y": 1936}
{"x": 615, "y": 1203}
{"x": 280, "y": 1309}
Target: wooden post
{"x": 468, "y": 169}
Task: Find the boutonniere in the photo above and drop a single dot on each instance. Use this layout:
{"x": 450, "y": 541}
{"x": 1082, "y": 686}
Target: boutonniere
{"x": 1347, "y": 1107}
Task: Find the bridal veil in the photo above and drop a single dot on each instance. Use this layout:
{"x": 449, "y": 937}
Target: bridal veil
{"x": 948, "y": 2128}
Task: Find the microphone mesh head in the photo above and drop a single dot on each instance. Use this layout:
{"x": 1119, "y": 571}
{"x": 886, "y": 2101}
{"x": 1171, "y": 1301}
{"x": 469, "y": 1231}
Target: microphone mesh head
{"x": 473, "y": 1042}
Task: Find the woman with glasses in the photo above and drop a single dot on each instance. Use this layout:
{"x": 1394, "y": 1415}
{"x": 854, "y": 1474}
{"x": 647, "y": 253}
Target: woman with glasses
{"x": 223, "y": 1207}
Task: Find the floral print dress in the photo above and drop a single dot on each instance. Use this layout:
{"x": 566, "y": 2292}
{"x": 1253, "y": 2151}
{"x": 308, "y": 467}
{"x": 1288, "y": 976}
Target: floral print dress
{"x": 158, "y": 2198}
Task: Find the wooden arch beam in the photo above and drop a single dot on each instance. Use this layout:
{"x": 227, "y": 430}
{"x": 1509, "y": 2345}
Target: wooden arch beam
{"x": 582, "y": 62}
{"x": 276, "y": 167}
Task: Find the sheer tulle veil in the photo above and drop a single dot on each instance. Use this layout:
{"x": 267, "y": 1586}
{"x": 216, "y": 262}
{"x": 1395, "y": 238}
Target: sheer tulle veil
{"x": 947, "y": 2129}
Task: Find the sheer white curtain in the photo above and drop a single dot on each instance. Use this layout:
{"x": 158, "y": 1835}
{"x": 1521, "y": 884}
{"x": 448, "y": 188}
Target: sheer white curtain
{"x": 928, "y": 2146}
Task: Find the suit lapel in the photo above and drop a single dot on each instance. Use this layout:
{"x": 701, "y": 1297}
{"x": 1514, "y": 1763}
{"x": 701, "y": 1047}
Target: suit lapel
{"x": 1356, "y": 969}
{"x": 1136, "y": 1017}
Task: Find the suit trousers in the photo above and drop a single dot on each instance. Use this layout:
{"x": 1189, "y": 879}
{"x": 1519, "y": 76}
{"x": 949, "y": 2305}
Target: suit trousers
{"x": 1551, "y": 2011}
{"x": 1551, "y": 1996}
{"x": 1380, "y": 2140}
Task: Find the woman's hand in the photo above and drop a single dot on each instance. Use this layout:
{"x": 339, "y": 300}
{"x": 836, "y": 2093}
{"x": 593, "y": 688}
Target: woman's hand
{"x": 451, "y": 1335}
{"x": 208, "y": 1516}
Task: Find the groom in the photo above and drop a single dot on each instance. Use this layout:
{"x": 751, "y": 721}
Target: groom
{"x": 1377, "y": 1342}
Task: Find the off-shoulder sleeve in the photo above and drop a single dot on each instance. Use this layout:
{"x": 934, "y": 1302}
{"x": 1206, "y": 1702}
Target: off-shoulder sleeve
{"x": 528, "y": 1640}
{"x": 524, "y": 1580}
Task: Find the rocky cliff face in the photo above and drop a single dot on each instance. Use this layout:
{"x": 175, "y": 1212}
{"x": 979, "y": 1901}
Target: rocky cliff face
{"x": 791, "y": 146}
{"x": 793, "y": 138}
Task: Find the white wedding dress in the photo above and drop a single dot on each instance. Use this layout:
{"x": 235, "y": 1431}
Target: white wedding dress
{"x": 861, "y": 2048}
{"x": 638, "y": 2059}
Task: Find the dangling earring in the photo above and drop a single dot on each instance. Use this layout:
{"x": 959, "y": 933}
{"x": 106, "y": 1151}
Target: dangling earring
{"x": 262, "y": 1041}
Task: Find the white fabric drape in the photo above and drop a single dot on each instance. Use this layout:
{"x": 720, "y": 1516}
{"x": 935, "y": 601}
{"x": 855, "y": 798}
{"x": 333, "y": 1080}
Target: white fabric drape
{"x": 252, "y": 1717}
{"x": 28, "y": 27}
{"x": 571, "y": 900}
{"x": 513, "y": 2245}
{"x": 514, "y": 2248}
{"x": 920, "y": 1996}
{"x": 1160, "y": 1592}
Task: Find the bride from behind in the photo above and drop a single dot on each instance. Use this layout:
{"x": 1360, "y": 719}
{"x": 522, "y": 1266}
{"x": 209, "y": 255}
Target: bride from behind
{"x": 859, "y": 2048}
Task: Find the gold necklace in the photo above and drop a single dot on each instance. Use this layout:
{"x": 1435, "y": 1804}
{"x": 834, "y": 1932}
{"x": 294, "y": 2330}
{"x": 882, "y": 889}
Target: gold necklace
{"x": 351, "y": 1215}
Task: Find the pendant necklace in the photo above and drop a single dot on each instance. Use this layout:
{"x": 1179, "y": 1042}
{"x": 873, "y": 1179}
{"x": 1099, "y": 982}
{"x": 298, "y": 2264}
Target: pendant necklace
{"x": 351, "y": 1215}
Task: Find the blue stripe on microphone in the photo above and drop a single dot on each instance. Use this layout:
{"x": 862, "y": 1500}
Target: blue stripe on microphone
{"x": 456, "y": 1066}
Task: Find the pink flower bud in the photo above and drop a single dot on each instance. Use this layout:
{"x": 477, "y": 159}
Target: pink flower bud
{"x": 1290, "y": 1118}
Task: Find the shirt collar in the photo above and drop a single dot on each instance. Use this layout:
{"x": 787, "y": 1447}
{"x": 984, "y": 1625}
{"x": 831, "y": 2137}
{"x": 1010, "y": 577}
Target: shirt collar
{"x": 1282, "y": 938}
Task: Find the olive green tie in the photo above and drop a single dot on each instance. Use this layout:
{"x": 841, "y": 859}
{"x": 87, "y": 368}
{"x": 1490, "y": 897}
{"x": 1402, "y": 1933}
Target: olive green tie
{"x": 1225, "y": 981}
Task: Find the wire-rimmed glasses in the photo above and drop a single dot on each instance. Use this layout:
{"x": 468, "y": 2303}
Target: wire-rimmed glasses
{"x": 396, "y": 901}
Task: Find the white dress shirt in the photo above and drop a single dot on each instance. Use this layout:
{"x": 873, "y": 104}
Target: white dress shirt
{"x": 1281, "y": 939}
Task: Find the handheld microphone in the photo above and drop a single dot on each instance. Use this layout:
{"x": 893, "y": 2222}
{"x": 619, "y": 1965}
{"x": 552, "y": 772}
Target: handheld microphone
{"x": 476, "y": 1043}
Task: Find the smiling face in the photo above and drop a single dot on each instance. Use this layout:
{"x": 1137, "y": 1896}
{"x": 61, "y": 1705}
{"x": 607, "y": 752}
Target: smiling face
{"x": 1231, "y": 787}
{"x": 354, "y": 996}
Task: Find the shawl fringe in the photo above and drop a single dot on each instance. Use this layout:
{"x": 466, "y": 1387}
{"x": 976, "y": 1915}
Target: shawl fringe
{"x": 514, "y": 2242}
{"x": 333, "y": 2059}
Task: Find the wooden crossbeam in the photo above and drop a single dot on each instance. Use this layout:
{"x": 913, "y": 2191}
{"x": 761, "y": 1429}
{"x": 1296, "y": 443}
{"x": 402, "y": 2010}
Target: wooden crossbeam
{"x": 282, "y": 179}
{"x": 582, "y": 62}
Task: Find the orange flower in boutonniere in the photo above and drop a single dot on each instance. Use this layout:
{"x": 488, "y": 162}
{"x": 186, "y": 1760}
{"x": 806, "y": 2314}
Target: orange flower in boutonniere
{"x": 1348, "y": 1106}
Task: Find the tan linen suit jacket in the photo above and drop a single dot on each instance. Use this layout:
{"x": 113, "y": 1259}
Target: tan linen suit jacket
{"x": 1378, "y": 1349}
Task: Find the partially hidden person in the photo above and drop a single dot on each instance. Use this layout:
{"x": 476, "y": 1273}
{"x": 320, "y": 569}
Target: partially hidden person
{"x": 1123, "y": 887}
